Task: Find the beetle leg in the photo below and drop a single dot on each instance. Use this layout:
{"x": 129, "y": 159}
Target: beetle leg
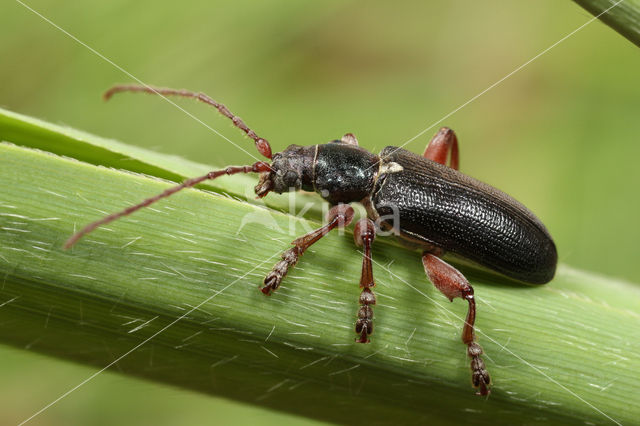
{"x": 441, "y": 143}
{"x": 339, "y": 215}
{"x": 453, "y": 284}
{"x": 347, "y": 139}
{"x": 364, "y": 234}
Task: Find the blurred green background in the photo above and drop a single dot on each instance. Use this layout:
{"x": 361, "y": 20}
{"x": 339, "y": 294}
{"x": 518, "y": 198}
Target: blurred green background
{"x": 561, "y": 135}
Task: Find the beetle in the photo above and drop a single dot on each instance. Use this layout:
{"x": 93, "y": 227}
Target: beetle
{"x": 429, "y": 205}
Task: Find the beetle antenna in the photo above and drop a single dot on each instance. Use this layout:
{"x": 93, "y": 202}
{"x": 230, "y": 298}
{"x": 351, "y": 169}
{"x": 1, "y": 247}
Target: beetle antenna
{"x": 258, "y": 167}
{"x": 261, "y": 144}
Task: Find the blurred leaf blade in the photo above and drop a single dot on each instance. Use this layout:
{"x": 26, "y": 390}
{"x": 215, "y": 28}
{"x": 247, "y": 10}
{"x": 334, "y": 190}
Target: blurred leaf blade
{"x": 623, "y": 18}
{"x": 125, "y": 282}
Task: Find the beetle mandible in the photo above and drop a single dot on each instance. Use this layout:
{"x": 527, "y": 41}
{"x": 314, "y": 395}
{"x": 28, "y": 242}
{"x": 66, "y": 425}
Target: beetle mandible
{"x": 435, "y": 208}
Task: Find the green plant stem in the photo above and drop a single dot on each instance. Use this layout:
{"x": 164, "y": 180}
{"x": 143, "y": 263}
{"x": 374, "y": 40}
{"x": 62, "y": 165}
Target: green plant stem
{"x": 624, "y": 18}
{"x": 179, "y": 284}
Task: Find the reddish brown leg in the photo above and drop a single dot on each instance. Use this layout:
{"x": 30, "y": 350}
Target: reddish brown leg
{"x": 438, "y": 149}
{"x": 259, "y": 167}
{"x": 453, "y": 284}
{"x": 338, "y": 216}
{"x": 261, "y": 144}
{"x": 349, "y": 139}
{"x": 364, "y": 235}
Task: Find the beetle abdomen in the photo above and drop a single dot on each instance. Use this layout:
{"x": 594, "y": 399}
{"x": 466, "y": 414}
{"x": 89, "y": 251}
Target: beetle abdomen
{"x": 442, "y": 207}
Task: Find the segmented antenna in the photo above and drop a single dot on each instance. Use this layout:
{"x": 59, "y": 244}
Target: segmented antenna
{"x": 259, "y": 167}
{"x": 262, "y": 145}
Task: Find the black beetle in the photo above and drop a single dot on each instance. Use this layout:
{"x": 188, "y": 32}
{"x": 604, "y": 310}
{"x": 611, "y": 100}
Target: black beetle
{"x": 428, "y": 205}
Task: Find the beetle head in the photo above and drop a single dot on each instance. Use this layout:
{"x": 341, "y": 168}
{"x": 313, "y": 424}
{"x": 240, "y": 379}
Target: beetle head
{"x": 291, "y": 170}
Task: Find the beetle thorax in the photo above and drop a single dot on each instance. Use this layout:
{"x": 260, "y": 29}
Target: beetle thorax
{"x": 344, "y": 173}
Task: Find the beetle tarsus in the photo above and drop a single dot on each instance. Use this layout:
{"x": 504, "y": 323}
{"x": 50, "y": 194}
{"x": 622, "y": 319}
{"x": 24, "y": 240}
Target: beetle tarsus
{"x": 479, "y": 374}
{"x": 453, "y": 284}
{"x": 364, "y": 234}
{"x": 364, "y": 324}
{"x": 274, "y": 278}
